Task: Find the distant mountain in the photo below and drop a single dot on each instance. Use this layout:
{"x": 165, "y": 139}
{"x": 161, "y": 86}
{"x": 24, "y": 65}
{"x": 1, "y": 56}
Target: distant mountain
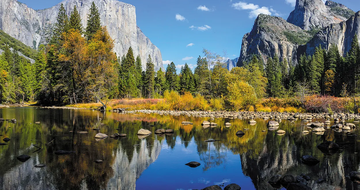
{"x": 231, "y": 63}
{"x": 34, "y": 27}
{"x": 311, "y": 24}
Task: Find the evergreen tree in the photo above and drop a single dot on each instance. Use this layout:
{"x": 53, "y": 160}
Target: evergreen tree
{"x": 149, "y": 79}
{"x": 93, "y": 23}
{"x": 187, "y": 83}
{"x": 170, "y": 75}
{"x": 40, "y": 69}
{"x": 138, "y": 71}
{"x": 61, "y": 25}
{"x": 160, "y": 82}
{"x": 201, "y": 76}
{"x": 75, "y": 21}
{"x": 274, "y": 77}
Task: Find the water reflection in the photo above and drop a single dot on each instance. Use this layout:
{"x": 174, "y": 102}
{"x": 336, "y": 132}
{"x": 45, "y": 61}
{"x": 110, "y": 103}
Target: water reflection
{"x": 158, "y": 161}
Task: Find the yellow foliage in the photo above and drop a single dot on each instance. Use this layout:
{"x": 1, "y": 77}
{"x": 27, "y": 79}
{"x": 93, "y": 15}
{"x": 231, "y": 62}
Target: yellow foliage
{"x": 281, "y": 110}
{"x": 217, "y": 104}
{"x": 241, "y": 94}
{"x": 291, "y": 110}
{"x": 264, "y": 109}
{"x": 251, "y": 108}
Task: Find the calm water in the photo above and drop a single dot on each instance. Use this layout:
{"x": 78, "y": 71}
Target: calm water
{"x": 158, "y": 162}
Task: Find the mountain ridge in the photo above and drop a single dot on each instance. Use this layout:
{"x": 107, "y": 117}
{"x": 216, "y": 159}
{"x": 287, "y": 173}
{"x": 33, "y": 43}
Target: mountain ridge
{"x": 33, "y": 27}
{"x": 302, "y": 32}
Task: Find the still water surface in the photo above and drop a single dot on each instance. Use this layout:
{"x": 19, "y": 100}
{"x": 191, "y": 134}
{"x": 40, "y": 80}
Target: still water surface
{"x": 158, "y": 161}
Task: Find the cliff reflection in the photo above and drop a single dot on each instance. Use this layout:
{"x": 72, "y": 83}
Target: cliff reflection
{"x": 263, "y": 154}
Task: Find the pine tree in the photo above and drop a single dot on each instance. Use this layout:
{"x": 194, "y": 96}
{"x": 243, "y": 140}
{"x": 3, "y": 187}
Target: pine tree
{"x": 201, "y": 76}
{"x": 40, "y": 69}
{"x": 93, "y": 23}
{"x": 160, "y": 82}
{"x": 170, "y": 76}
{"x": 75, "y": 21}
{"x": 61, "y": 26}
{"x": 149, "y": 79}
{"x": 138, "y": 71}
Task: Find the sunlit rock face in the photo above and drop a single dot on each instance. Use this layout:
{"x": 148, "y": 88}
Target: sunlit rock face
{"x": 314, "y": 14}
{"x": 311, "y": 24}
{"x": 127, "y": 172}
{"x": 34, "y": 27}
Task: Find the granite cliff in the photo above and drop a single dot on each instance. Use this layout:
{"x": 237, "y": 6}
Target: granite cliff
{"x": 310, "y": 25}
{"x": 33, "y": 27}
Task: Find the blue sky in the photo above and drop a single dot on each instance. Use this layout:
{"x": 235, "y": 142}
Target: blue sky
{"x": 181, "y": 29}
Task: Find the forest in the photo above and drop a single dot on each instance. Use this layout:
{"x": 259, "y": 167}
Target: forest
{"x": 78, "y": 65}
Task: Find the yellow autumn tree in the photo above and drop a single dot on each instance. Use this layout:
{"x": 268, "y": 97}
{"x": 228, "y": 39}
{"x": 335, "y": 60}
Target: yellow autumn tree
{"x": 241, "y": 95}
{"x": 74, "y": 56}
{"x": 101, "y": 75}
{"x": 329, "y": 81}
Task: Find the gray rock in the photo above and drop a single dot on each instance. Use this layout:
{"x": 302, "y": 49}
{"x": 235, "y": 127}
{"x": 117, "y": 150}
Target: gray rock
{"x": 144, "y": 132}
{"x": 313, "y": 14}
{"x": 6, "y": 139}
{"x": 240, "y": 133}
{"x": 33, "y": 27}
{"x": 40, "y": 165}
{"x": 23, "y": 158}
{"x": 101, "y": 136}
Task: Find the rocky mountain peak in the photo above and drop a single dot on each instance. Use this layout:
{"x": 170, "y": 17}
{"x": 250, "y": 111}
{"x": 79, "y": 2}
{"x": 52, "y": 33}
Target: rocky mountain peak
{"x": 314, "y": 14}
{"x": 33, "y": 27}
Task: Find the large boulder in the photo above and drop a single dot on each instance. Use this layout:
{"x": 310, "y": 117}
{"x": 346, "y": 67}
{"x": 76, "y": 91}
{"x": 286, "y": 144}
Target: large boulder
{"x": 101, "y": 136}
{"x": 144, "y": 132}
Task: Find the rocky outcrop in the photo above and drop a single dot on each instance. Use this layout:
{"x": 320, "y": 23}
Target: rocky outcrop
{"x": 34, "y": 27}
{"x": 310, "y": 25}
{"x": 314, "y": 14}
{"x": 272, "y": 36}
{"x": 231, "y": 63}
{"x": 340, "y": 34}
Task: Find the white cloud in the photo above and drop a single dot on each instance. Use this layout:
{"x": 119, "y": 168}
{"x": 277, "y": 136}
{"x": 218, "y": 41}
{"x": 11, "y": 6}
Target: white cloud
{"x": 187, "y": 58}
{"x": 291, "y": 2}
{"x": 255, "y": 10}
{"x": 262, "y": 10}
{"x": 201, "y": 28}
{"x": 167, "y": 62}
{"x": 203, "y": 8}
{"x": 245, "y": 6}
{"x": 179, "y": 17}
{"x": 189, "y": 45}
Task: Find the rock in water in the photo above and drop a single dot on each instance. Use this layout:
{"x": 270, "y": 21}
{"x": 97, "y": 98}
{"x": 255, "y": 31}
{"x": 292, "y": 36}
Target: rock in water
{"x": 240, "y": 133}
{"x": 144, "y": 132}
{"x": 23, "y": 158}
{"x": 169, "y": 131}
{"x": 214, "y": 187}
{"x": 6, "y": 139}
{"x": 2, "y": 144}
{"x": 32, "y": 26}
{"x": 309, "y": 160}
{"x": 280, "y": 132}
{"x": 99, "y": 161}
{"x": 160, "y": 131}
{"x": 40, "y": 165}
{"x": 101, "y": 136}
{"x": 273, "y": 124}
{"x": 193, "y": 164}
{"x": 232, "y": 186}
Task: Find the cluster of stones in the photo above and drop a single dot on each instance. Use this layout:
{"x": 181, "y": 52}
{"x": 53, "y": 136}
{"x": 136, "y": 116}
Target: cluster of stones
{"x": 254, "y": 115}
